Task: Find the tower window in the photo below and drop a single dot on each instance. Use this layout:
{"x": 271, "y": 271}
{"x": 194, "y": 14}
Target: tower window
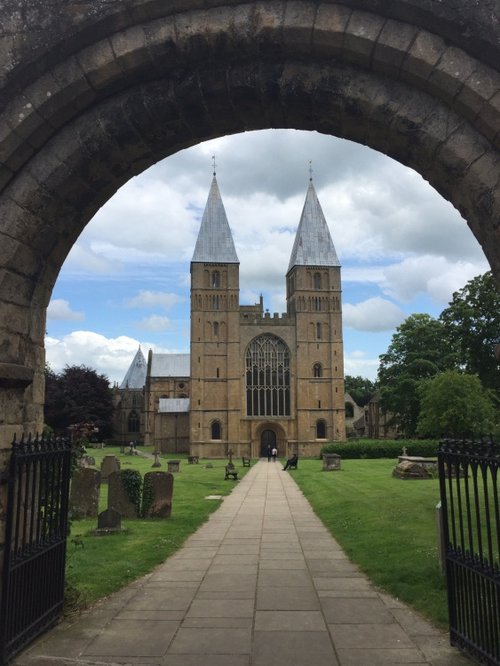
{"x": 318, "y": 331}
{"x": 216, "y": 430}
{"x": 268, "y": 377}
{"x": 216, "y": 329}
{"x": 317, "y": 280}
{"x": 317, "y": 370}
{"x": 320, "y": 429}
{"x": 215, "y": 279}
{"x": 215, "y": 302}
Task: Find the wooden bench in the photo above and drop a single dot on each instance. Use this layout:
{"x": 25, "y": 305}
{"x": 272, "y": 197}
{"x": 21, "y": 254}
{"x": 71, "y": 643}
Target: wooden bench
{"x": 231, "y": 471}
{"x": 245, "y": 461}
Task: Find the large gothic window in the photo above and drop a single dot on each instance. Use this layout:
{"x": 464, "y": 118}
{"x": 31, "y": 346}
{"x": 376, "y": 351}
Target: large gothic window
{"x": 133, "y": 421}
{"x": 268, "y": 377}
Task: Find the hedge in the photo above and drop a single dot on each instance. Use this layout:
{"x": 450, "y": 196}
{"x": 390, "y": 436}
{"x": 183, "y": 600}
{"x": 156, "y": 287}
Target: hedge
{"x": 383, "y": 448}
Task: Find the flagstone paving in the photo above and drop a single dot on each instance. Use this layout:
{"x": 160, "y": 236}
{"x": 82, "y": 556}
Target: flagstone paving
{"x": 262, "y": 583}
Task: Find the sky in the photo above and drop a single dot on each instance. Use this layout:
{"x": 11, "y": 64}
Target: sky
{"x": 402, "y": 247}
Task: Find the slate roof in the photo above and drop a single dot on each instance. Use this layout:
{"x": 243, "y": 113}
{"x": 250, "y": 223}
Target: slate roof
{"x": 215, "y": 241}
{"x": 173, "y": 405}
{"x": 136, "y": 374}
{"x": 313, "y": 244}
{"x": 170, "y": 365}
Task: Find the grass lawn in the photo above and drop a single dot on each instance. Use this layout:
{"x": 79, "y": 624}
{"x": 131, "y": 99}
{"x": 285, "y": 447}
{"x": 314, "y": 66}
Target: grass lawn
{"x": 98, "y": 566}
{"x": 386, "y": 525}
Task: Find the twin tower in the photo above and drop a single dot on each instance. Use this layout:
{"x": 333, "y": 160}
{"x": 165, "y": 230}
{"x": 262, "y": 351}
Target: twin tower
{"x": 258, "y": 380}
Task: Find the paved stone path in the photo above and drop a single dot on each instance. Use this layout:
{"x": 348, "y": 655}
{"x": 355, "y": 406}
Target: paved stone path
{"x": 262, "y": 583}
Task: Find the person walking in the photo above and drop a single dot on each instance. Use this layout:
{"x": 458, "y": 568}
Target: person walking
{"x": 274, "y": 453}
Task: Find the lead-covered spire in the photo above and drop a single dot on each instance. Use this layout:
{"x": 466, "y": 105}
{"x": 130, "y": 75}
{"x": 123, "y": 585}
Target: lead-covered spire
{"x": 215, "y": 241}
{"x": 136, "y": 374}
{"x": 313, "y": 244}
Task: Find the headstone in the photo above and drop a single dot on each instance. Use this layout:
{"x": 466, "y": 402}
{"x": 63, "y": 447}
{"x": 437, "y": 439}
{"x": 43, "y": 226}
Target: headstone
{"x": 174, "y": 466}
{"x": 118, "y": 497}
{"x": 109, "y": 466}
{"x": 208, "y": 466}
{"x": 331, "y": 461}
{"x": 408, "y": 469}
{"x": 108, "y": 522}
{"x": 157, "y": 494}
{"x": 84, "y": 495}
{"x": 157, "y": 462}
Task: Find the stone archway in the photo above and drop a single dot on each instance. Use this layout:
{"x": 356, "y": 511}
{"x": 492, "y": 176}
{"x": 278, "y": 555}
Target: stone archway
{"x": 93, "y": 93}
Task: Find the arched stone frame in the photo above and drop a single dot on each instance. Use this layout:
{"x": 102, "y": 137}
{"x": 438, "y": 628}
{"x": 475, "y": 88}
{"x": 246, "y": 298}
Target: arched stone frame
{"x": 317, "y": 370}
{"x": 91, "y": 99}
{"x": 281, "y": 438}
{"x": 216, "y": 430}
{"x": 268, "y": 377}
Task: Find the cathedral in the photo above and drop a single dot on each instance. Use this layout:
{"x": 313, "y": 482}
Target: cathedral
{"x": 252, "y": 379}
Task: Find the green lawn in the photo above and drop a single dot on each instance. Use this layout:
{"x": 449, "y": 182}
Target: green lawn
{"x": 385, "y": 525}
{"x": 98, "y": 566}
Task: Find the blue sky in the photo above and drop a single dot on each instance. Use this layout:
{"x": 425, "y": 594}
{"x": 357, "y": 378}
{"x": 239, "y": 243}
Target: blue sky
{"x": 403, "y": 249}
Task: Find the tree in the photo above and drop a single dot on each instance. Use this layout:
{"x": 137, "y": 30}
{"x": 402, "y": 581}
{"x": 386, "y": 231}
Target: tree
{"x": 360, "y": 389}
{"x": 454, "y": 404}
{"x": 472, "y": 324}
{"x": 418, "y": 350}
{"x": 78, "y": 395}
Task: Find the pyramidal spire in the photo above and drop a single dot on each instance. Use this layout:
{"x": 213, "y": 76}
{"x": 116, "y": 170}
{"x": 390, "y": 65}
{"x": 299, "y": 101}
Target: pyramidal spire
{"x": 215, "y": 241}
{"x": 313, "y": 244}
{"x": 136, "y": 374}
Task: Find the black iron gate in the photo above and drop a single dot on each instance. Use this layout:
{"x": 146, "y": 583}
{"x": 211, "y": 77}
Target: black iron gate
{"x": 35, "y": 547}
{"x": 468, "y": 474}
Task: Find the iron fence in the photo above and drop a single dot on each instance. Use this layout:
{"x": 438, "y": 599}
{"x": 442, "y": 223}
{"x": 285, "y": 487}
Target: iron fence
{"x": 468, "y": 474}
{"x": 35, "y": 548}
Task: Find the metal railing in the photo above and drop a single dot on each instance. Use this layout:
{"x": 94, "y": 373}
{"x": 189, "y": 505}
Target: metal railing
{"x": 35, "y": 548}
{"x": 468, "y": 474}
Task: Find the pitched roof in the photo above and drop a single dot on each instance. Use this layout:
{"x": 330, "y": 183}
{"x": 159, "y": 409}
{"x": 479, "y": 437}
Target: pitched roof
{"x": 170, "y": 365}
{"x": 136, "y": 374}
{"x": 313, "y": 244}
{"x": 215, "y": 241}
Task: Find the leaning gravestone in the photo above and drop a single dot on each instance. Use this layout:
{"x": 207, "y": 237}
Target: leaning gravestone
{"x": 157, "y": 494}
{"x": 84, "y": 495}
{"x": 118, "y": 497}
{"x": 108, "y": 522}
{"x": 109, "y": 466}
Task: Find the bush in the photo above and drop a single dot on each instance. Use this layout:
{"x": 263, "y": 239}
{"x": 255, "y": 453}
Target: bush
{"x": 383, "y": 448}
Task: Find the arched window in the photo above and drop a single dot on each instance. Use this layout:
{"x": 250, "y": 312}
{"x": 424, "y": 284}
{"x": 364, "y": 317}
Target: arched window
{"x": 216, "y": 430}
{"x": 317, "y": 370}
{"x": 215, "y": 279}
{"x": 317, "y": 304}
{"x": 321, "y": 429}
{"x": 268, "y": 377}
{"x": 133, "y": 421}
{"x": 349, "y": 410}
{"x": 215, "y": 302}
{"x": 318, "y": 331}
{"x": 317, "y": 280}
{"x": 216, "y": 329}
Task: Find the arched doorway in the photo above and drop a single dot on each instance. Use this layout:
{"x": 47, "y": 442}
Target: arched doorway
{"x": 267, "y": 440}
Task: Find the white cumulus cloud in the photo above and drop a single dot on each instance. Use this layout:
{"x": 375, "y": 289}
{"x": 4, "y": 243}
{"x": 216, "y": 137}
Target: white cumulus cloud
{"x": 374, "y": 314}
{"x": 60, "y": 309}
{"x": 152, "y": 299}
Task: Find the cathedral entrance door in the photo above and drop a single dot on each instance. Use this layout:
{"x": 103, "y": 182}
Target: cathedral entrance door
{"x": 268, "y": 438}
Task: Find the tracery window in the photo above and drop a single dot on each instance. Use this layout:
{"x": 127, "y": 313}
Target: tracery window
{"x": 133, "y": 421}
{"x": 268, "y": 377}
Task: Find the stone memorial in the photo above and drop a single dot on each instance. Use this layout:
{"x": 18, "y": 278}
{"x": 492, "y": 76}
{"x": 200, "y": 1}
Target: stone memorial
{"x": 331, "y": 461}
{"x": 174, "y": 465}
{"x": 108, "y": 522}
{"x": 157, "y": 494}
{"x": 109, "y": 466}
{"x": 118, "y": 497}
{"x": 84, "y": 494}
{"x": 414, "y": 469}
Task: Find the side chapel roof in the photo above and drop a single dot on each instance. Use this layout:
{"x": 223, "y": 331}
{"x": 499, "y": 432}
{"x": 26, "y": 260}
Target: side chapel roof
{"x": 215, "y": 241}
{"x": 313, "y": 244}
{"x": 136, "y": 374}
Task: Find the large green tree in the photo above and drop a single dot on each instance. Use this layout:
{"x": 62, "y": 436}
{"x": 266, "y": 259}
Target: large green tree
{"x": 472, "y": 323}
{"x": 360, "y": 389}
{"x": 454, "y": 404}
{"x": 418, "y": 350}
{"x": 78, "y": 395}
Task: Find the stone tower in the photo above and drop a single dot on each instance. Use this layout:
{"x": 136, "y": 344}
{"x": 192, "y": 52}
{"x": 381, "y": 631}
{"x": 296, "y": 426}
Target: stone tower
{"x": 215, "y": 345}
{"x": 314, "y": 303}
